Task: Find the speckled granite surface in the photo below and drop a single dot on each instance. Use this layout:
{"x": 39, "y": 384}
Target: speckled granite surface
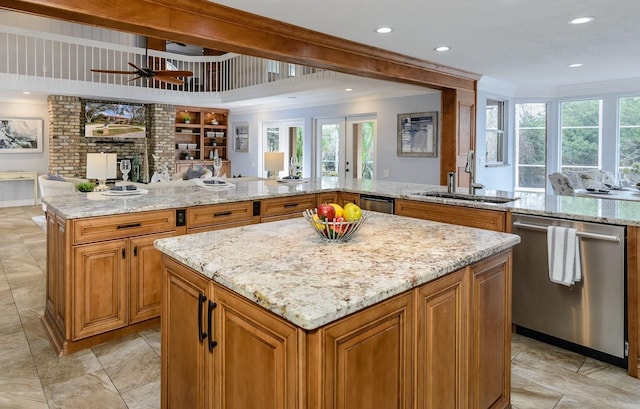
{"x": 623, "y": 212}
{"x": 286, "y": 268}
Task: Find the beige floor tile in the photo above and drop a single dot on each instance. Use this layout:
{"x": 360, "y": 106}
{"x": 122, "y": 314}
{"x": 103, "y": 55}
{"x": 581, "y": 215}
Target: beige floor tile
{"x": 529, "y": 395}
{"x": 91, "y": 390}
{"x": 567, "y": 403}
{"x": 130, "y": 362}
{"x": 152, "y": 336}
{"x": 145, "y": 397}
{"x": 610, "y": 375}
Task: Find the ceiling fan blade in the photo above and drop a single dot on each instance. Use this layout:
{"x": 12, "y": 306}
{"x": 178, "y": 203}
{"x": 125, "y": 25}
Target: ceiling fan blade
{"x": 168, "y": 79}
{"x": 174, "y": 73}
{"x": 113, "y": 71}
{"x": 135, "y": 66}
{"x": 135, "y": 78}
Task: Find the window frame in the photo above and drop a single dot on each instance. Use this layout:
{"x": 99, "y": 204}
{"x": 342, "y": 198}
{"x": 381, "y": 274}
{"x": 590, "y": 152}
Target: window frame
{"x": 500, "y": 132}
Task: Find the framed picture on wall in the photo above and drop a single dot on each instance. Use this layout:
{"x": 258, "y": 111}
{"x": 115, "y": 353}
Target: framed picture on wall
{"x": 418, "y": 134}
{"x": 241, "y": 137}
{"x": 21, "y": 135}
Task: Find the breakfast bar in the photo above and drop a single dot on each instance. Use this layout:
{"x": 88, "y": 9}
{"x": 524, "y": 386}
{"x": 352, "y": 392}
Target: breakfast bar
{"x": 269, "y": 315}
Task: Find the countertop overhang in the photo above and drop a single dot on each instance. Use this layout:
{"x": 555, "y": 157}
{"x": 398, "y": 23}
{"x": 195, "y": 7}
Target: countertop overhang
{"x": 286, "y": 268}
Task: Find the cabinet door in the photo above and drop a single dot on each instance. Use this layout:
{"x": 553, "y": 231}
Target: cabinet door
{"x": 255, "y": 358}
{"x": 348, "y": 197}
{"x": 368, "y": 361}
{"x": 145, "y": 278}
{"x": 99, "y": 288}
{"x": 490, "y": 346}
{"x": 441, "y": 343}
{"x": 185, "y": 354}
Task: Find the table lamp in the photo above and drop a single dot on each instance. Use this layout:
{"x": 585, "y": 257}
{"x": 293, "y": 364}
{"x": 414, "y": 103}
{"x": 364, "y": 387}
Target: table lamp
{"x": 101, "y": 166}
{"x": 273, "y": 163}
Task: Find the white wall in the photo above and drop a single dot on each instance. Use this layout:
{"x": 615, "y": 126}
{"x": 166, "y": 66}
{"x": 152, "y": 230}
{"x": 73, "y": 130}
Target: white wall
{"x": 20, "y": 193}
{"x": 402, "y": 169}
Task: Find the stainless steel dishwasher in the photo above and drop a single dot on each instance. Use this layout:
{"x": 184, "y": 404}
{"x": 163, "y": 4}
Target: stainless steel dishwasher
{"x": 377, "y": 203}
{"x": 588, "y": 317}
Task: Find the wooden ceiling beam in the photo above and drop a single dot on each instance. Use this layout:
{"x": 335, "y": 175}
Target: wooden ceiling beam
{"x": 213, "y": 26}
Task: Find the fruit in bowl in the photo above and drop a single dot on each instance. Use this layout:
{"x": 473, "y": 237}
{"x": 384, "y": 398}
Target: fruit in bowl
{"x": 329, "y": 222}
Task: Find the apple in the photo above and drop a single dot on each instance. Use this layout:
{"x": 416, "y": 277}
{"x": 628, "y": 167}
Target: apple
{"x": 352, "y": 212}
{"x": 326, "y": 212}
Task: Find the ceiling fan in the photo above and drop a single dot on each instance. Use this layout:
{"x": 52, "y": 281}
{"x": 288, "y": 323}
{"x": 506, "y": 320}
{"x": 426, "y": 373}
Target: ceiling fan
{"x": 169, "y": 76}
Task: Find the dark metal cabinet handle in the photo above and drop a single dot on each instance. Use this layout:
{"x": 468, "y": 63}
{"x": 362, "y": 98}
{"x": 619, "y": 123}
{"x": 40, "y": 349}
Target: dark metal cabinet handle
{"x": 201, "y": 299}
{"x": 129, "y": 226}
{"x": 228, "y": 213}
{"x": 124, "y": 253}
{"x": 290, "y": 204}
{"x": 212, "y": 343}
{"x": 135, "y": 251}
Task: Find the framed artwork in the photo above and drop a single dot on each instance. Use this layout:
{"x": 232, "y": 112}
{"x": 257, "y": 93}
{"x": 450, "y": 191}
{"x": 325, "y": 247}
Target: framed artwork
{"x": 21, "y": 135}
{"x": 241, "y": 137}
{"x": 418, "y": 134}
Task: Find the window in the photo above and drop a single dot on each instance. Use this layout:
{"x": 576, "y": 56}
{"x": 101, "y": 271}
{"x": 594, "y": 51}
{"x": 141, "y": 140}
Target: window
{"x": 531, "y": 137}
{"x": 285, "y": 137}
{"x": 629, "y": 147}
{"x": 364, "y": 149}
{"x": 495, "y": 126}
{"x": 581, "y": 135}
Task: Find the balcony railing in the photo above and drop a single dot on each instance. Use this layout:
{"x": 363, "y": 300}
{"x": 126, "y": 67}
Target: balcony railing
{"x": 26, "y": 53}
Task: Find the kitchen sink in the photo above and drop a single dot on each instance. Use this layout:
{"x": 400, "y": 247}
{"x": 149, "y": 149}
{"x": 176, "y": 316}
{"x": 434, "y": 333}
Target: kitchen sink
{"x": 471, "y": 198}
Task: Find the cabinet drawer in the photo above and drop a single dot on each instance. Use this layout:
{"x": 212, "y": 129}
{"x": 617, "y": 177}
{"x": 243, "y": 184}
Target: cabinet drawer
{"x": 283, "y": 206}
{"x": 221, "y": 215}
{"x": 123, "y": 225}
{"x": 463, "y": 216}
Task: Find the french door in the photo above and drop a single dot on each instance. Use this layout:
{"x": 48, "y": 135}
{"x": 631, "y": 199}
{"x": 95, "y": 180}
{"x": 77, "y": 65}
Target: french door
{"x": 345, "y": 147}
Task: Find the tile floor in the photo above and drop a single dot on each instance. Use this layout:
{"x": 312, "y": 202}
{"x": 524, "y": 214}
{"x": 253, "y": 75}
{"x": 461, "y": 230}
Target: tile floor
{"x": 126, "y": 373}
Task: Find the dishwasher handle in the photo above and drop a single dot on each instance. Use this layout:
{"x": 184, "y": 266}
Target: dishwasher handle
{"x": 595, "y": 236}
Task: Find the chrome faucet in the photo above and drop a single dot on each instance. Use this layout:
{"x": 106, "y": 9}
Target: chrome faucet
{"x": 470, "y": 168}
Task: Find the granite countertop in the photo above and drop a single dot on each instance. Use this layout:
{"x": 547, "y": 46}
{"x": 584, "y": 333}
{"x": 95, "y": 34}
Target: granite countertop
{"x": 606, "y": 210}
{"x": 286, "y": 268}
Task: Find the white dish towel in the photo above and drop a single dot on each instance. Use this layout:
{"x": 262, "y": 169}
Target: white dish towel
{"x": 563, "y": 245}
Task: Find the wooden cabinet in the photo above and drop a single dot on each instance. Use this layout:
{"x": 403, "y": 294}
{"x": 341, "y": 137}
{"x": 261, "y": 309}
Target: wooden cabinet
{"x": 340, "y": 198}
{"x": 445, "y": 344}
{"x": 463, "y": 216}
{"x": 186, "y": 361}
{"x": 289, "y": 207}
{"x": 220, "y": 351}
{"x": 441, "y": 343}
{"x": 220, "y": 216}
{"x": 197, "y": 139}
{"x": 368, "y": 357}
{"x": 103, "y": 277}
{"x": 256, "y": 357}
{"x": 490, "y": 329}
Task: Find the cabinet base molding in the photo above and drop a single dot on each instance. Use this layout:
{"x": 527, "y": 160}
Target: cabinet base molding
{"x": 64, "y": 347}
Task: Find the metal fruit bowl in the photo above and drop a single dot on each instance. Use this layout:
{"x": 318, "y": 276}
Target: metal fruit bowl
{"x": 334, "y": 231}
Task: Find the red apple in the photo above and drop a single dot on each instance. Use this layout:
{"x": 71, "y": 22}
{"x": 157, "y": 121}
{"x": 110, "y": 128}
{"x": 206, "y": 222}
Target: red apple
{"x": 326, "y": 212}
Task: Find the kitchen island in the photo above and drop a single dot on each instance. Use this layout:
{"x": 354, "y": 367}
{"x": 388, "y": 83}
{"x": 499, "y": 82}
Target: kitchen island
{"x": 268, "y": 315}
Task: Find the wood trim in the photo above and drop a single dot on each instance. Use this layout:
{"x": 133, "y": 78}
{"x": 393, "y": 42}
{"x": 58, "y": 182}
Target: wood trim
{"x": 200, "y": 22}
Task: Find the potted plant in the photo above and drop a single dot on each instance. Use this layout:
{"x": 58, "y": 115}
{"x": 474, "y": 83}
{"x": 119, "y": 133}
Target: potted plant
{"x": 85, "y": 187}
{"x": 187, "y": 119}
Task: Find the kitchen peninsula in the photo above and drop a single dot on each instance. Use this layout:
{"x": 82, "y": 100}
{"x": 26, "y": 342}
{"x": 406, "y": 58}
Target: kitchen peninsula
{"x": 268, "y": 315}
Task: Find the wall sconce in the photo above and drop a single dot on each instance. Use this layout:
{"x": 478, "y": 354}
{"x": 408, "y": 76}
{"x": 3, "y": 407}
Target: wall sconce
{"x": 102, "y": 166}
{"x": 273, "y": 163}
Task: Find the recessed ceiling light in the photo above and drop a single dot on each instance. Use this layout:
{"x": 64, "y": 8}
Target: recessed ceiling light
{"x": 442, "y": 48}
{"x": 581, "y": 20}
{"x": 384, "y": 30}
{"x": 576, "y": 65}
{"x": 348, "y": 89}
{"x": 26, "y": 92}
